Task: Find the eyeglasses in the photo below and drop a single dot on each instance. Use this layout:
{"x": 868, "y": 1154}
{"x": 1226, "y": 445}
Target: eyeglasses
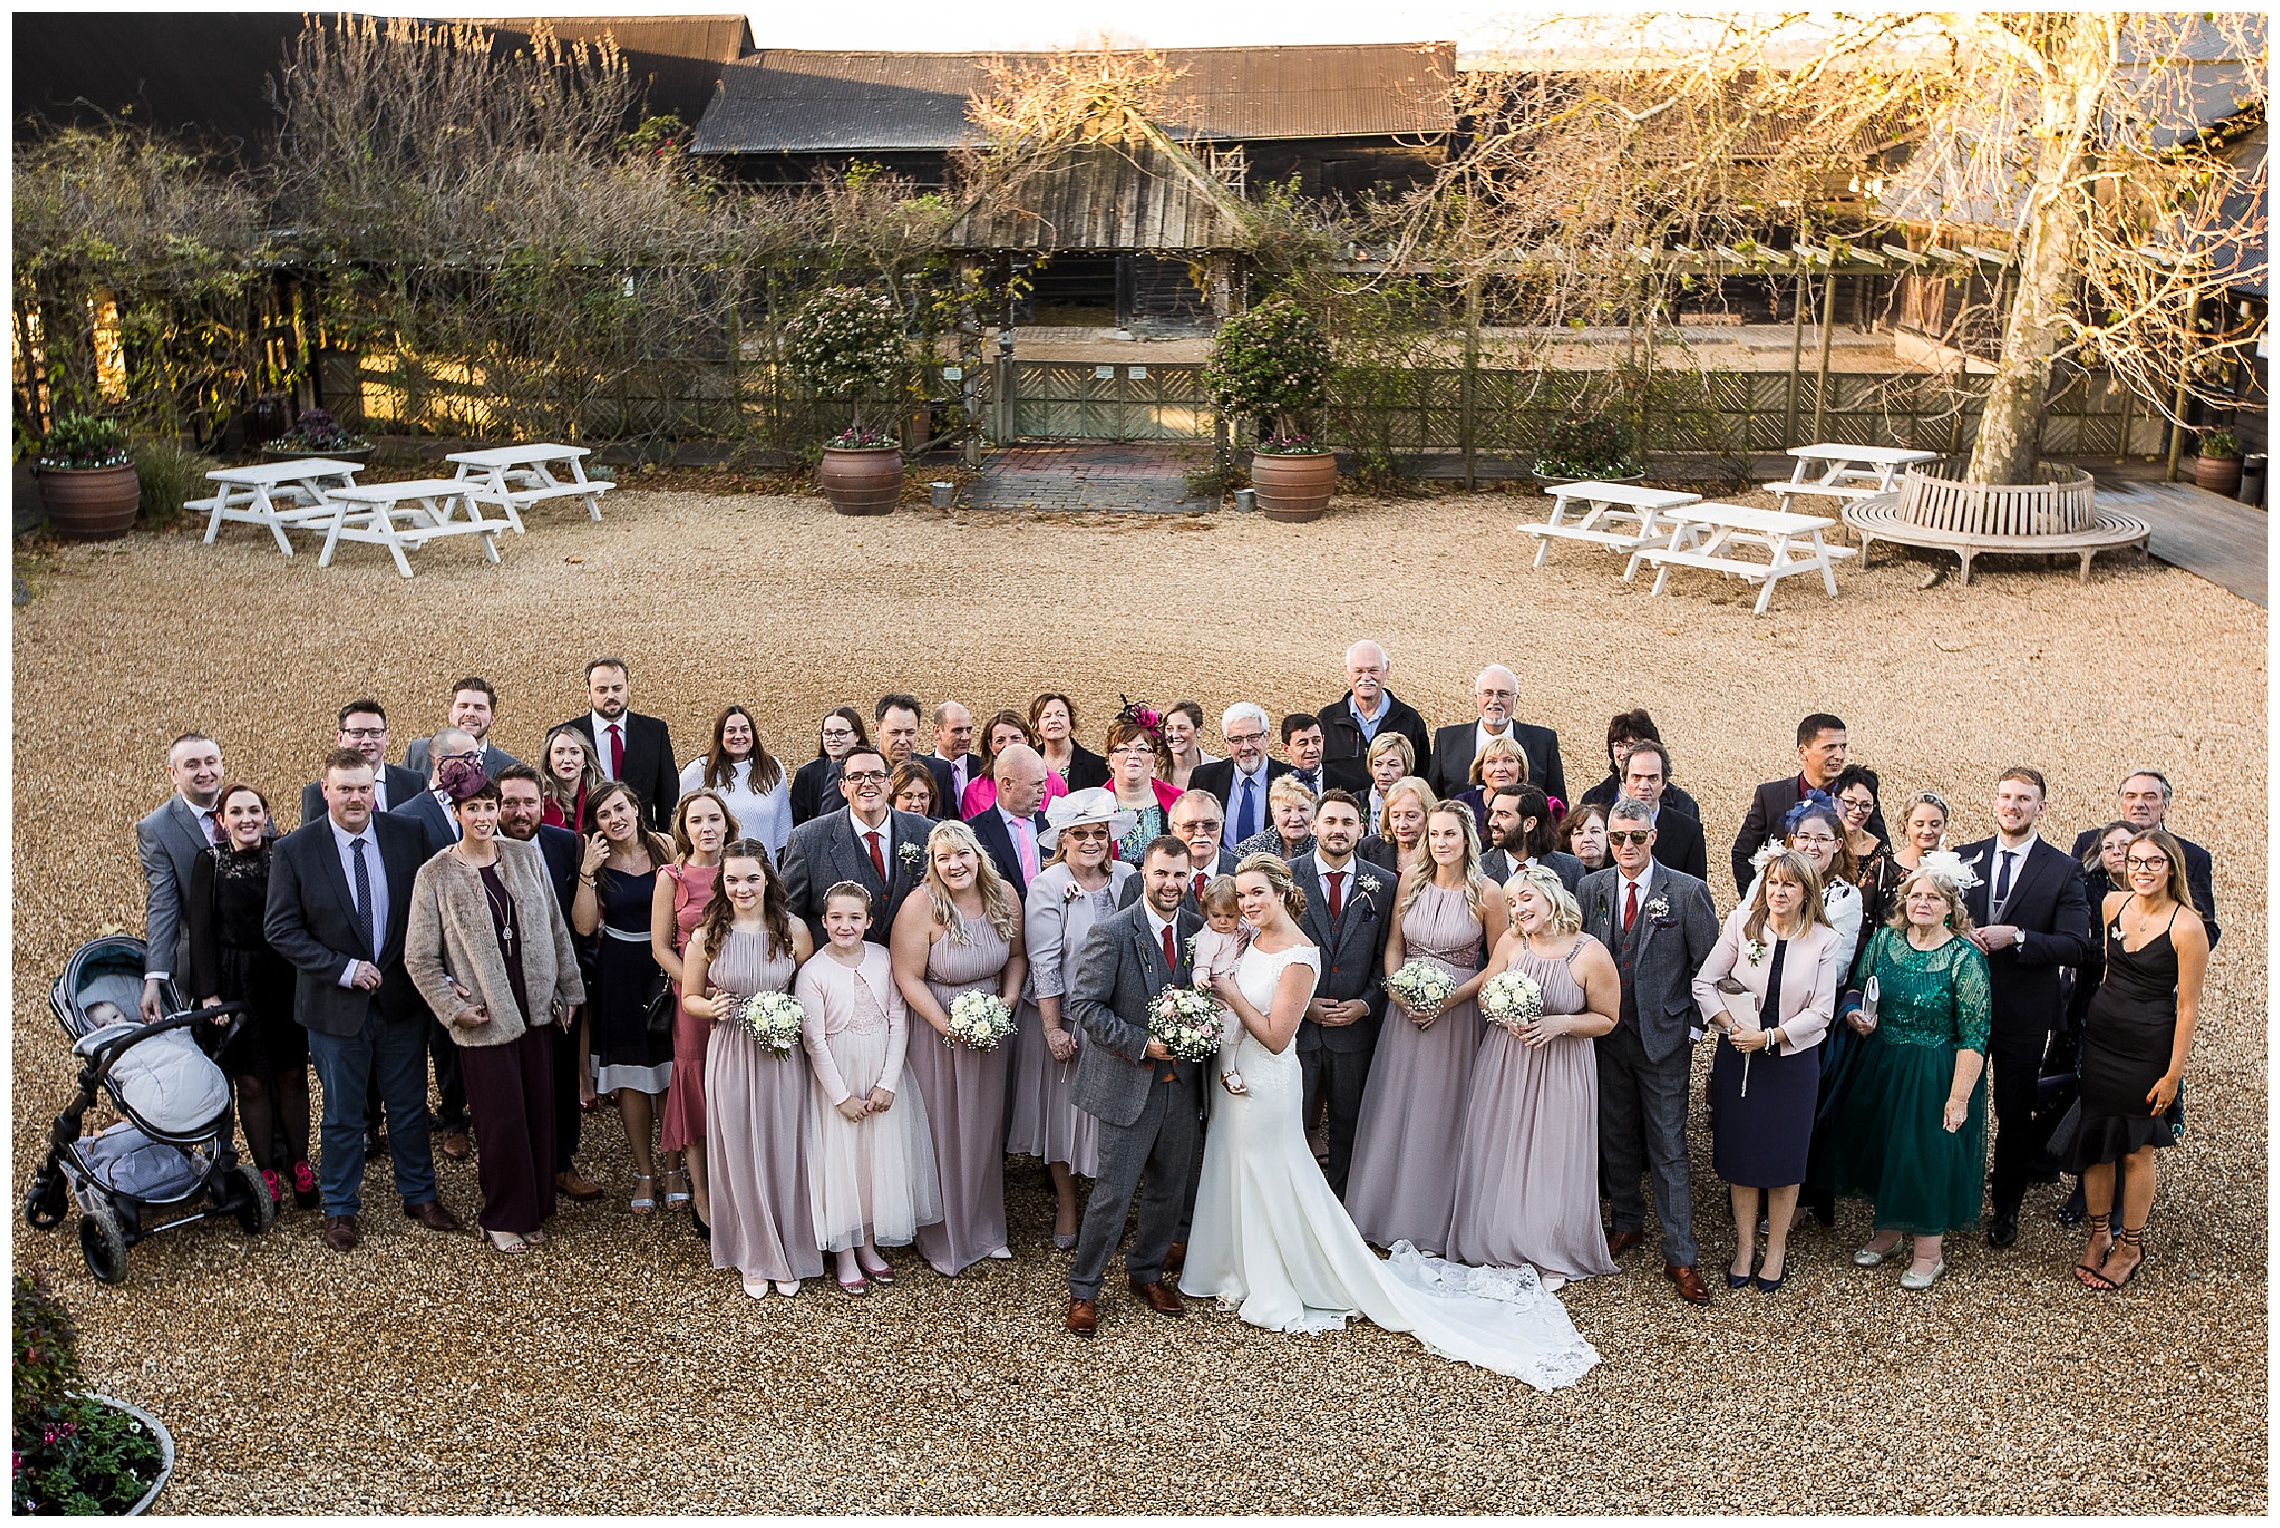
{"x": 2147, "y": 864}
{"x": 1812, "y": 838}
{"x": 838, "y": 732}
{"x": 863, "y": 776}
{"x": 1246, "y": 737}
{"x": 364, "y": 732}
{"x": 1856, "y": 808}
{"x": 1632, "y": 837}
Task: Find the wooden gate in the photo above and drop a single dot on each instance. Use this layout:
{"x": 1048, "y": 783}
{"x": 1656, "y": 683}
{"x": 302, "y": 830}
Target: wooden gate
{"x": 1088, "y": 400}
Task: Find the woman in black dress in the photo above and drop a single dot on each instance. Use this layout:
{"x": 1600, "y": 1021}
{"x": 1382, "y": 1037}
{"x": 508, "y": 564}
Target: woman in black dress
{"x": 617, "y": 887}
{"x": 231, "y": 962}
{"x": 2139, "y": 1030}
{"x": 815, "y": 789}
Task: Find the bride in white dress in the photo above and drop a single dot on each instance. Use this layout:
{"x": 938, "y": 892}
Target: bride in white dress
{"x": 1269, "y": 1238}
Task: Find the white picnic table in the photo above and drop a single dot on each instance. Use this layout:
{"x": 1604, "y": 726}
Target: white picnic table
{"x": 1846, "y": 472}
{"x": 425, "y": 507}
{"x": 490, "y": 475}
{"x": 1713, "y": 536}
{"x": 280, "y": 495}
{"x": 1596, "y": 505}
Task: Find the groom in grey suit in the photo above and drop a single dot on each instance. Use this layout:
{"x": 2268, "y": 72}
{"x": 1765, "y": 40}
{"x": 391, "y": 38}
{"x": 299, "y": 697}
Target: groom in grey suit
{"x": 1147, "y": 1103}
{"x": 1660, "y": 926}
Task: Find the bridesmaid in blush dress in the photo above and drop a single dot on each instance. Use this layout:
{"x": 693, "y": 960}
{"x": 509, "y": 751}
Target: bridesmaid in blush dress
{"x": 962, "y": 935}
{"x": 702, "y": 824}
{"x": 1528, "y": 1169}
{"x": 747, "y": 943}
{"x": 1402, "y": 1185}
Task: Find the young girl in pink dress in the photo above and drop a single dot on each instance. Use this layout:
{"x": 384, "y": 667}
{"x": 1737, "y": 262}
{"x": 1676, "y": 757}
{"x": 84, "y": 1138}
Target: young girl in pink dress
{"x": 1219, "y": 944}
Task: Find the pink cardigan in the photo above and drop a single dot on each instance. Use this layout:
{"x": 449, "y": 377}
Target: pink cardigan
{"x": 1809, "y": 975}
{"x": 827, "y": 990}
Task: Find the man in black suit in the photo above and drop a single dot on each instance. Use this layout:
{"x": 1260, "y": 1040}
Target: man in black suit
{"x": 340, "y": 895}
{"x": 1624, "y": 729}
{"x": 2031, "y": 915}
{"x": 1353, "y": 721}
{"x": 1195, "y": 821}
{"x": 1821, "y": 758}
{"x": 630, "y": 747}
{"x": 896, "y": 717}
{"x": 867, "y": 842}
{"x": 1241, "y": 779}
{"x": 521, "y": 812}
{"x": 1455, "y": 748}
{"x": 2145, "y": 795}
{"x": 954, "y": 764}
{"x": 1302, "y": 748}
{"x": 474, "y": 707}
{"x": 431, "y": 808}
{"x": 1009, "y": 830}
{"x": 1519, "y": 822}
{"x": 1678, "y": 836}
{"x": 363, "y": 726}
{"x": 1349, "y": 910}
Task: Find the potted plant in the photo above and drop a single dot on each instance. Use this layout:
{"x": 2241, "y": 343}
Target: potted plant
{"x": 1588, "y": 446}
{"x": 74, "y": 1453}
{"x": 1272, "y": 366}
{"x": 848, "y": 343}
{"x": 87, "y": 479}
{"x": 317, "y": 434}
{"x": 2217, "y": 468}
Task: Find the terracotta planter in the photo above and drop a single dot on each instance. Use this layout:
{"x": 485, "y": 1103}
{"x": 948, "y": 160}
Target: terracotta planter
{"x": 1294, "y": 488}
{"x": 861, "y": 482}
{"x": 90, "y": 503}
{"x": 2218, "y": 474}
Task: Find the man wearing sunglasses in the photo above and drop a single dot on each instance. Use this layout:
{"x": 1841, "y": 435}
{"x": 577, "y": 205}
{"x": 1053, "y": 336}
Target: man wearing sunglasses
{"x": 2144, "y": 798}
{"x": 870, "y": 843}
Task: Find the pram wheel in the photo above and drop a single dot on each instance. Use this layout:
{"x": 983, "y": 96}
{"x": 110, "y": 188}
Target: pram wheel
{"x": 44, "y": 1201}
{"x": 256, "y": 1212}
{"x": 105, "y": 1243}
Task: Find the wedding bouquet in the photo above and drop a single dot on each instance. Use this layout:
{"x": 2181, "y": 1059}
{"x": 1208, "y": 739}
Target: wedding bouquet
{"x": 1186, "y": 1020}
{"x": 1423, "y": 987}
{"x": 980, "y": 1020}
{"x": 774, "y": 1019}
{"x": 1512, "y": 999}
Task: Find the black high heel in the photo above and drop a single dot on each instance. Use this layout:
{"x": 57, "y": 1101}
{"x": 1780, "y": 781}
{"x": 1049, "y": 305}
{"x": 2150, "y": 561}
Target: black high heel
{"x": 704, "y": 1232}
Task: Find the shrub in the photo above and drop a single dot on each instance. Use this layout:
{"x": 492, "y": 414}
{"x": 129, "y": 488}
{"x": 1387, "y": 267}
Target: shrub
{"x": 71, "y": 1455}
{"x": 84, "y": 440}
{"x": 317, "y": 430}
{"x": 2220, "y": 445}
{"x": 1588, "y": 443}
{"x": 171, "y": 475}
{"x": 1271, "y": 365}
{"x": 845, "y": 342}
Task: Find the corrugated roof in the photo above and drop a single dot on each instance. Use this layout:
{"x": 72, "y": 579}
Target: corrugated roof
{"x": 789, "y": 100}
{"x": 1147, "y": 194}
{"x": 720, "y": 39}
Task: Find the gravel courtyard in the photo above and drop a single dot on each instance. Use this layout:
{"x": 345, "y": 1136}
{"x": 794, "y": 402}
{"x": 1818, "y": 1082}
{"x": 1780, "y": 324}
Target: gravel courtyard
{"x": 615, "y": 1372}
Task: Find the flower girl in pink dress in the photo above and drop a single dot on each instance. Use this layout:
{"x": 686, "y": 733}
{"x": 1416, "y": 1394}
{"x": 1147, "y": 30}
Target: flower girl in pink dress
{"x": 1218, "y": 945}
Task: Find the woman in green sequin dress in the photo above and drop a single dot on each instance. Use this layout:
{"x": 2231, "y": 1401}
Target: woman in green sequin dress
{"x": 1910, "y": 1129}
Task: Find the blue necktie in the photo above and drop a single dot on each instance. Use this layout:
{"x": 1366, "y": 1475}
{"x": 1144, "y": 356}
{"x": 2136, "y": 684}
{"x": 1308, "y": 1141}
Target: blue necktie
{"x": 364, "y": 898}
{"x": 1246, "y": 815}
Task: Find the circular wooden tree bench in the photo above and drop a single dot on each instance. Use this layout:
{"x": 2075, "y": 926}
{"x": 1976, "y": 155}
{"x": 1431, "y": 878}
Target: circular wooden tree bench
{"x": 2058, "y": 517}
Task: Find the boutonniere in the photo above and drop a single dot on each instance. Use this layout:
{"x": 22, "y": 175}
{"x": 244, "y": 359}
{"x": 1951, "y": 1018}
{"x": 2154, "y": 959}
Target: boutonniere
{"x": 911, "y": 855}
{"x": 1658, "y": 909}
{"x": 1189, "y": 945}
{"x": 1071, "y": 892}
{"x": 1754, "y": 951}
{"x": 1368, "y": 885}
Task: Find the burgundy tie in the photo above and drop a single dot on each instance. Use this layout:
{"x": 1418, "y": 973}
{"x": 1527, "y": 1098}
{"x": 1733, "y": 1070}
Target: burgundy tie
{"x": 1171, "y": 955}
{"x": 1630, "y": 906}
{"x": 878, "y": 860}
{"x": 617, "y": 753}
{"x": 1337, "y": 894}
{"x": 1201, "y": 881}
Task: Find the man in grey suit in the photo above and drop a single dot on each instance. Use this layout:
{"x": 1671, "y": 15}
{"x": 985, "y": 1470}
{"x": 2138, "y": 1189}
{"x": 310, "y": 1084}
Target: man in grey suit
{"x": 1519, "y": 828}
{"x": 1196, "y": 821}
{"x": 340, "y": 896}
{"x": 868, "y": 842}
{"x": 1147, "y": 1104}
{"x": 363, "y": 726}
{"x": 474, "y": 707}
{"x": 168, "y": 842}
{"x": 1349, "y": 910}
{"x": 1660, "y": 926}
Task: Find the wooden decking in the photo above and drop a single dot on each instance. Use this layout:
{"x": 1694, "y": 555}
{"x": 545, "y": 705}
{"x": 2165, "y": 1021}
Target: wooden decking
{"x": 2223, "y": 540}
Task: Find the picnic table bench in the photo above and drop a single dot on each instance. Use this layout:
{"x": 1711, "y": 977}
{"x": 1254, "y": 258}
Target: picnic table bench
{"x": 426, "y": 506}
{"x": 1603, "y": 503}
{"x": 491, "y": 475}
{"x": 1730, "y": 528}
{"x": 280, "y": 495}
{"x": 1847, "y": 472}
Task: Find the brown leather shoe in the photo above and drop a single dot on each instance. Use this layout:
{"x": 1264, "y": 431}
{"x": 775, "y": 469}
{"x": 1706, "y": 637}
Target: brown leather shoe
{"x": 1691, "y": 1289}
{"x": 340, "y": 1232}
{"x": 1175, "y": 1258}
{"x": 1620, "y": 1242}
{"x": 455, "y": 1145}
{"x": 1158, "y": 1297}
{"x": 433, "y": 1215}
{"x": 1084, "y": 1315}
{"x": 569, "y": 1185}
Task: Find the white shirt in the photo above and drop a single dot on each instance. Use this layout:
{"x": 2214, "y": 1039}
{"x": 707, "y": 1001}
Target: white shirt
{"x": 205, "y": 816}
{"x": 1995, "y": 877}
{"x": 765, "y": 815}
{"x": 1624, "y": 883}
{"x": 376, "y": 874}
{"x": 1481, "y": 735}
{"x": 450, "y": 813}
{"x": 1346, "y": 886}
{"x": 602, "y": 725}
{"x": 1156, "y": 925}
{"x": 886, "y": 832}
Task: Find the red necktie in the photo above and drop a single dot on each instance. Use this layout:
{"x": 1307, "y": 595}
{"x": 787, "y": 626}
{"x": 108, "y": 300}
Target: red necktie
{"x": 1171, "y": 955}
{"x": 1201, "y": 881}
{"x": 617, "y": 753}
{"x": 1630, "y": 906}
{"x": 1337, "y": 894}
{"x": 878, "y": 860}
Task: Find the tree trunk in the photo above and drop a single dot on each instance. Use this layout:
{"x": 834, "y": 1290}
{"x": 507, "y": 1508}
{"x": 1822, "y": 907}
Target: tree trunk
{"x": 2009, "y": 445}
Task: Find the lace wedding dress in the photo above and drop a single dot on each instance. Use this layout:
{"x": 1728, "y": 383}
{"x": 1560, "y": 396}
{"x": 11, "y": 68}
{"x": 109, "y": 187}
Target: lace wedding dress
{"x": 1271, "y": 1241}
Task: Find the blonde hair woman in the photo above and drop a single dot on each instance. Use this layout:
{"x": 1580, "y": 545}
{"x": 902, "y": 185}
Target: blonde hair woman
{"x": 1402, "y": 1185}
{"x": 963, "y": 935}
{"x": 1399, "y": 829}
{"x": 1389, "y": 758}
{"x": 702, "y": 826}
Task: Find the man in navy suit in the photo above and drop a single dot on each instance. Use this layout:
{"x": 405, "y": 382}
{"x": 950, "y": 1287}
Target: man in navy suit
{"x": 340, "y": 895}
{"x": 1349, "y": 910}
{"x": 954, "y": 764}
{"x": 630, "y": 747}
{"x": 2031, "y": 915}
{"x": 521, "y": 810}
{"x": 1008, "y": 831}
{"x": 363, "y": 726}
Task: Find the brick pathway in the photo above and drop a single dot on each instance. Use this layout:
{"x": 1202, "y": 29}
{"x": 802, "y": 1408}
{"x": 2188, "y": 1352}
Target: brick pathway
{"x": 1124, "y": 478}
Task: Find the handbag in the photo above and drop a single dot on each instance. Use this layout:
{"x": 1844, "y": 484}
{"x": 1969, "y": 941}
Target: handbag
{"x": 657, "y": 1004}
